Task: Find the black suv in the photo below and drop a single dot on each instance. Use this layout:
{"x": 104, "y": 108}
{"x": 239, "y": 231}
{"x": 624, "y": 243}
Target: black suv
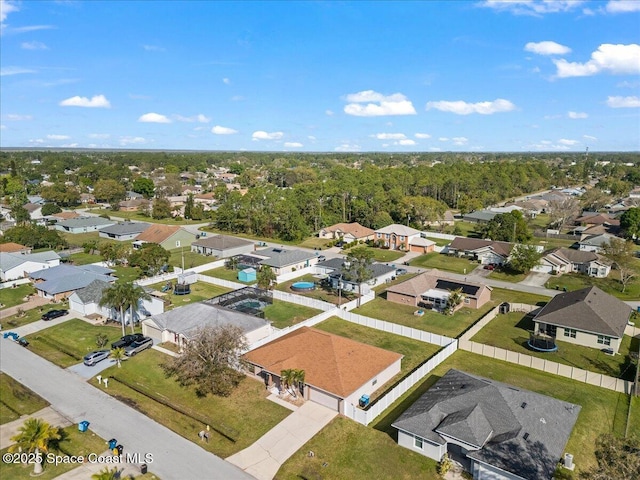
{"x": 51, "y": 314}
{"x": 127, "y": 340}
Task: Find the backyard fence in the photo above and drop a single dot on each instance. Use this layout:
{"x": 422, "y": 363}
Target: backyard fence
{"x": 302, "y": 300}
{"x": 443, "y": 236}
{"x": 11, "y": 283}
{"x": 476, "y": 327}
{"x": 365, "y": 417}
{"x": 563, "y": 236}
{"x": 220, "y": 282}
{"x": 285, "y": 277}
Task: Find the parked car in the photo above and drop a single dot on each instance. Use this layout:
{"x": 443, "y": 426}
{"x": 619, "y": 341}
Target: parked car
{"x": 321, "y": 258}
{"x": 90, "y": 359}
{"x": 127, "y": 340}
{"x": 401, "y": 271}
{"x": 489, "y": 267}
{"x": 138, "y": 346}
{"x": 51, "y": 314}
{"x": 23, "y": 341}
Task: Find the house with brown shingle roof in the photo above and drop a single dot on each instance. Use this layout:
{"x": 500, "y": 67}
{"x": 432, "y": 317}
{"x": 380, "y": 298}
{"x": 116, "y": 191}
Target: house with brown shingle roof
{"x": 347, "y": 232}
{"x": 587, "y": 317}
{"x": 484, "y": 251}
{"x": 12, "y": 247}
{"x": 167, "y": 236}
{"x": 338, "y": 370}
{"x": 66, "y": 215}
{"x": 432, "y": 288}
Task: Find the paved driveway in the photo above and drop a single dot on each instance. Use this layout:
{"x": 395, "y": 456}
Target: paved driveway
{"x": 88, "y": 372}
{"x": 174, "y": 457}
{"x": 536, "y": 279}
{"x": 264, "y": 458}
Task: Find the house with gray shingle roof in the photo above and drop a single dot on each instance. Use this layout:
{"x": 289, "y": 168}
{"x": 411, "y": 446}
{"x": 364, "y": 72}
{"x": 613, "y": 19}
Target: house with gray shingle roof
{"x": 17, "y": 265}
{"x": 587, "y": 317}
{"x": 60, "y": 282}
{"x": 285, "y": 260}
{"x": 222, "y": 246}
{"x": 495, "y": 430}
{"x": 84, "y": 224}
{"x": 595, "y": 243}
{"x": 568, "y": 260}
{"x": 484, "y": 251}
{"x": 123, "y": 231}
{"x": 337, "y": 270}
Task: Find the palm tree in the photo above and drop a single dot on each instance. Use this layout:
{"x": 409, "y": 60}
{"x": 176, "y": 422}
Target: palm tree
{"x": 298, "y": 379}
{"x": 114, "y": 297}
{"x": 266, "y": 278}
{"x": 118, "y": 355}
{"x": 232, "y": 263}
{"x": 132, "y": 294}
{"x": 455, "y": 299}
{"x": 286, "y": 378}
{"x": 105, "y": 474}
{"x": 34, "y": 437}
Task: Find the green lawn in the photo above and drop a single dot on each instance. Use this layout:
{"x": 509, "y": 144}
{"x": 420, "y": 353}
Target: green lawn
{"x": 29, "y": 316}
{"x": 284, "y": 314}
{"x": 511, "y": 332}
{"x": 84, "y": 258}
{"x": 126, "y": 274}
{"x": 191, "y": 259}
{"x": 440, "y": 242}
{"x": 507, "y": 275}
{"x": 329, "y": 296}
{"x": 77, "y": 239}
{"x": 199, "y": 291}
{"x": 246, "y": 412}
{"x": 603, "y": 411}
{"x": 10, "y": 297}
{"x": 226, "y": 274}
{"x": 315, "y": 242}
{"x": 73, "y": 442}
{"x": 414, "y": 351}
{"x": 66, "y": 343}
{"x": 500, "y": 295}
{"x": 610, "y": 285}
{"x": 346, "y": 449}
{"x": 138, "y": 217}
{"x": 633, "y": 428}
{"x": 469, "y": 229}
{"x": 444, "y": 262}
{"x": 17, "y": 400}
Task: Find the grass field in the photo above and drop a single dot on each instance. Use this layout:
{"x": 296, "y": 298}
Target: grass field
{"x": 17, "y": 400}
{"x": 66, "y": 343}
{"x": 633, "y": 428}
{"x": 318, "y": 293}
{"x": 507, "y": 275}
{"x": 315, "y": 242}
{"x": 511, "y": 332}
{"x": 444, "y": 262}
{"x": 414, "y": 351}
{"x": 284, "y": 314}
{"x": 10, "y": 297}
{"x": 84, "y": 258}
{"x": 382, "y": 255}
{"x": 30, "y": 316}
{"x": 610, "y": 285}
{"x": 73, "y": 442}
{"x": 191, "y": 259}
{"x": 226, "y": 274}
{"x": 199, "y": 291}
{"x": 603, "y": 411}
{"x": 77, "y": 239}
{"x": 138, "y": 217}
{"x": 246, "y": 412}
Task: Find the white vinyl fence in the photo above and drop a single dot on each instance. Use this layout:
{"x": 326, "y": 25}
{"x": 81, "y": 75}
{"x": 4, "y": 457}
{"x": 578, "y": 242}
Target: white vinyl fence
{"x": 309, "y": 322}
{"x": 11, "y": 283}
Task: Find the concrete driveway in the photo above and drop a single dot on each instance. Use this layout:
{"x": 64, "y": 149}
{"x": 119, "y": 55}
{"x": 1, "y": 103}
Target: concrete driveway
{"x": 264, "y": 458}
{"x": 536, "y": 279}
{"x": 88, "y": 372}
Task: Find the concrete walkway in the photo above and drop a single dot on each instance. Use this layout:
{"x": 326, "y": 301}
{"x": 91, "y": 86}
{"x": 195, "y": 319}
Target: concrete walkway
{"x": 264, "y": 458}
{"x": 48, "y": 414}
{"x": 173, "y": 455}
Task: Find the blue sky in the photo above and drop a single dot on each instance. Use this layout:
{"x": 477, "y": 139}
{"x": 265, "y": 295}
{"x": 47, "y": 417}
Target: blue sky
{"x": 520, "y": 75}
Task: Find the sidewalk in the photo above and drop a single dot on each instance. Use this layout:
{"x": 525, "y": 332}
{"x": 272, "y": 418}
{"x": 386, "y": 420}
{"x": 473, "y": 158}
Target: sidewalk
{"x": 264, "y": 458}
{"x": 48, "y": 414}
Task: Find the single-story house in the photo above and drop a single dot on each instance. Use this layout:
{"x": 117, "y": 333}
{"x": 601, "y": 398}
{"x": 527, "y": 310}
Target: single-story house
{"x": 167, "y": 236}
{"x": 133, "y": 196}
{"x": 35, "y": 210}
{"x": 181, "y": 324}
{"x": 86, "y": 301}
{"x": 484, "y": 251}
{"x": 84, "y": 224}
{"x": 12, "y": 247}
{"x": 447, "y": 219}
{"x": 123, "y": 231}
{"x": 222, "y": 246}
{"x": 65, "y": 215}
{"x": 479, "y": 216}
{"x": 587, "y": 317}
{"x": 58, "y": 283}
{"x": 347, "y": 232}
{"x": 285, "y": 260}
{"x": 567, "y": 260}
{"x": 495, "y": 430}
{"x": 338, "y": 370}
{"x": 247, "y": 275}
{"x": 432, "y": 289}
{"x": 595, "y": 243}
{"x": 338, "y": 276}
{"x": 87, "y": 198}
{"x": 590, "y": 219}
{"x": 133, "y": 205}
{"x": 19, "y": 265}
{"x": 401, "y": 237}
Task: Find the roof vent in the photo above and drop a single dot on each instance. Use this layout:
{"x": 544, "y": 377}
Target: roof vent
{"x": 542, "y": 420}
{"x": 524, "y": 405}
{"x": 526, "y": 435}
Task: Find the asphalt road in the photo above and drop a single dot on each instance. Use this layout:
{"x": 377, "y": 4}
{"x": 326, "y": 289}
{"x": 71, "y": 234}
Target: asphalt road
{"x": 174, "y": 458}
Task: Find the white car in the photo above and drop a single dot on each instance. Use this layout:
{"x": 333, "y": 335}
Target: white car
{"x": 138, "y": 346}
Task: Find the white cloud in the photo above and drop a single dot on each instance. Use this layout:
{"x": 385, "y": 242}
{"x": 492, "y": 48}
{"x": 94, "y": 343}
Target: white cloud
{"x": 152, "y": 117}
{"x": 15, "y": 71}
{"x": 17, "y": 118}
{"x": 422, "y": 135}
{"x": 531, "y": 7}
{"x": 201, "y": 118}
{"x": 547, "y": 48}
{"x": 58, "y": 137}
{"x": 609, "y": 58}
{"x": 389, "y": 136}
{"x": 627, "y": 84}
{"x": 406, "y": 142}
{"x": 7, "y": 7}
{"x": 589, "y": 137}
{"x": 623, "y": 102}
{"x": 577, "y": 115}
{"x": 3, "y": 126}
{"x": 124, "y": 141}
{"x": 329, "y": 113}
{"x": 460, "y": 107}
{"x": 293, "y": 145}
{"x": 153, "y": 48}
{"x": 377, "y": 104}
{"x": 33, "y": 46}
{"x": 218, "y": 130}
{"x": 237, "y": 98}
{"x": 97, "y": 101}
{"x": 565, "y": 141}
{"x": 348, "y": 147}
{"x": 99, "y": 135}
{"x": 312, "y": 138}
{"x": 443, "y": 139}
{"x": 623, "y": 6}
{"x": 435, "y": 149}
{"x": 262, "y": 135}
{"x": 460, "y": 140}
{"x": 226, "y": 81}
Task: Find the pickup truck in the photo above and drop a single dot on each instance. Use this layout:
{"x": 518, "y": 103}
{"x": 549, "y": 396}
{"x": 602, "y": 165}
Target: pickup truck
{"x": 127, "y": 340}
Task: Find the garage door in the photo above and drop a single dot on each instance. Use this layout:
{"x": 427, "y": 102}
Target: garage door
{"x": 154, "y": 333}
{"x": 324, "y": 399}
{"x": 543, "y": 268}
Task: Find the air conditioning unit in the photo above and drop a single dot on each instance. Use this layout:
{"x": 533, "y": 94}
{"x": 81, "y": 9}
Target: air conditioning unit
{"x": 568, "y": 461}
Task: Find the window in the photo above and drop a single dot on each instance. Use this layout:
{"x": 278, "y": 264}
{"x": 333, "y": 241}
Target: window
{"x": 602, "y": 340}
{"x": 467, "y": 300}
{"x": 569, "y": 332}
{"x": 417, "y": 442}
{"x": 375, "y": 380}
